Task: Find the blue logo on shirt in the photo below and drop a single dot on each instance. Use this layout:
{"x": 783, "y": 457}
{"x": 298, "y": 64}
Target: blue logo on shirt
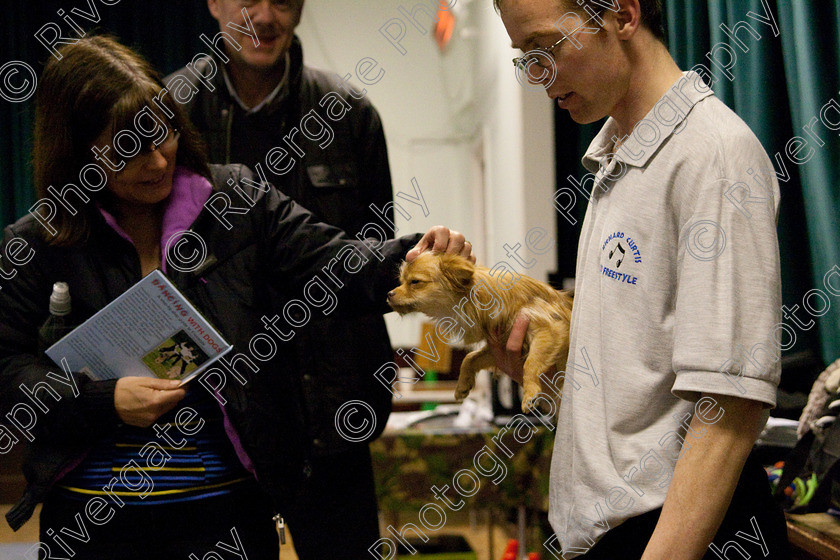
{"x": 621, "y": 251}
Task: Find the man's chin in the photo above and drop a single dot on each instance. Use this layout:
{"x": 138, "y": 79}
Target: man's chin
{"x": 263, "y": 61}
{"x": 584, "y": 118}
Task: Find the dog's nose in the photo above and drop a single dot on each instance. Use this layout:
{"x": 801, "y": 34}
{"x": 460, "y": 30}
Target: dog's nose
{"x": 390, "y": 294}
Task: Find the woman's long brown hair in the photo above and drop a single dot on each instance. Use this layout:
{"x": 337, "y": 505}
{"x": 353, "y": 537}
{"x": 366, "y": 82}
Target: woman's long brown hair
{"x": 97, "y": 84}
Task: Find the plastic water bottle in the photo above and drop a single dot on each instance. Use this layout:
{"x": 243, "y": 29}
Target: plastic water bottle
{"x": 58, "y": 323}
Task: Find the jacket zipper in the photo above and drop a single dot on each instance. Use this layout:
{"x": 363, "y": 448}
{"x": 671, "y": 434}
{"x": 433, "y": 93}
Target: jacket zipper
{"x": 281, "y": 529}
{"x": 280, "y": 523}
{"x": 228, "y": 127}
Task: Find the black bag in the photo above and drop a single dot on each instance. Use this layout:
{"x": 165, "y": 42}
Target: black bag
{"x": 815, "y": 462}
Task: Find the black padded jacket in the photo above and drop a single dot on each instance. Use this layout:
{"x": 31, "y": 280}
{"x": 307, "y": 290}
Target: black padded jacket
{"x": 340, "y": 175}
{"x": 250, "y": 271}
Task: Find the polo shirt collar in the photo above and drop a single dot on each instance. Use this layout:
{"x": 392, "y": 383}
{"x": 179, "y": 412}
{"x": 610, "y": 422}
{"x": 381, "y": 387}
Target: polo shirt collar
{"x": 650, "y": 133}
{"x": 268, "y": 99}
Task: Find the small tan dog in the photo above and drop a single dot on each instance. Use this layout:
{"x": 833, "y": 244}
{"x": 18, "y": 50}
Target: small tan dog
{"x": 484, "y": 308}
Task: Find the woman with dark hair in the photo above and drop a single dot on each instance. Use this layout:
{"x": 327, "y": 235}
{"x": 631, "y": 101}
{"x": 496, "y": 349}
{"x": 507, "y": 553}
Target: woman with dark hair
{"x": 142, "y": 467}
{"x": 84, "y": 100}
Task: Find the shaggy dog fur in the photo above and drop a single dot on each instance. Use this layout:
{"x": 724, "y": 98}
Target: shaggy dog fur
{"x": 484, "y": 308}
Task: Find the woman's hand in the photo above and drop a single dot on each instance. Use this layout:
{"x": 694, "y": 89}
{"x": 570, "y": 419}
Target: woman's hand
{"x": 508, "y": 356}
{"x": 142, "y": 400}
{"x": 441, "y": 239}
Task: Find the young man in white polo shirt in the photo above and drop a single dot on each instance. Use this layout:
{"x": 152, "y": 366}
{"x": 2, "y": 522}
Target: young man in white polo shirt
{"x": 676, "y": 330}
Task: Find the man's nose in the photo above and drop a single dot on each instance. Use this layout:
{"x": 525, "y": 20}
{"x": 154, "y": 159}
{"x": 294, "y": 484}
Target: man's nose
{"x": 538, "y": 74}
{"x": 261, "y": 12}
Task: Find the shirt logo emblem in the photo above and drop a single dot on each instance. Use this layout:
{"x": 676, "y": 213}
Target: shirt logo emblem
{"x": 622, "y": 256}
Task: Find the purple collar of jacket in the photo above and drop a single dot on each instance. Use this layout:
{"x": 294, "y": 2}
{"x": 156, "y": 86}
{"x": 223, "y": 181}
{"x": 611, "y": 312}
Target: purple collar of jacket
{"x": 186, "y": 201}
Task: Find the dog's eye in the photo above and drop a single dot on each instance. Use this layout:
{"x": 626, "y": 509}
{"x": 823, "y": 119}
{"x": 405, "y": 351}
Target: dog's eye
{"x": 415, "y": 282}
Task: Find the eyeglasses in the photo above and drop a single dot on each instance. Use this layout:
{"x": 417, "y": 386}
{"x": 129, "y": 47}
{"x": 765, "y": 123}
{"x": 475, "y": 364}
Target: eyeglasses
{"x": 134, "y": 163}
{"x": 538, "y": 54}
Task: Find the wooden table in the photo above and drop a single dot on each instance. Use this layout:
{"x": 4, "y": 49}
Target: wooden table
{"x": 814, "y": 536}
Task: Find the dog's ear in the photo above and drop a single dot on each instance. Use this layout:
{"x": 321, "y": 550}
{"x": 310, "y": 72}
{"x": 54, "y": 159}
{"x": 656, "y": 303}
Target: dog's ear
{"x": 457, "y": 271}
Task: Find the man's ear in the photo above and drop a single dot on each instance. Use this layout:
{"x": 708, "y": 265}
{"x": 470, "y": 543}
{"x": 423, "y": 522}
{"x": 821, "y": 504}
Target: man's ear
{"x": 628, "y": 18}
{"x": 213, "y": 6}
{"x": 457, "y": 271}
{"x": 299, "y": 12}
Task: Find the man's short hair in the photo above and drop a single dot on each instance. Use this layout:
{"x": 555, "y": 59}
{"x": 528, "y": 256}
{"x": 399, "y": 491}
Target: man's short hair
{"x": 652, "y": 16}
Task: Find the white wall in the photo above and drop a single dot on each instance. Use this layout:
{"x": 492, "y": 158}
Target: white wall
{"x": 479, "y": 144}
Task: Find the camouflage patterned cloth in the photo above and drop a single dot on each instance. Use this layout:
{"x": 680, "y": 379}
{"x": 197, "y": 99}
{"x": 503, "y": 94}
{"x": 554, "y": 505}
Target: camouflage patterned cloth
{"x": 408, "y": 464}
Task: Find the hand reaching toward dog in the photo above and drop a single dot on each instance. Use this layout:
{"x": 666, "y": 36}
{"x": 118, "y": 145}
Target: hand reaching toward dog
{"x": 509, "y": 356}
{"x": 142, "y": 400}
{"x": 441, "y": 239}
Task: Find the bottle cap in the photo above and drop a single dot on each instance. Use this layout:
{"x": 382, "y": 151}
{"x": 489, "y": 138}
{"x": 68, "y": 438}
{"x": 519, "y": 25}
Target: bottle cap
{"x": 60, "y": 299}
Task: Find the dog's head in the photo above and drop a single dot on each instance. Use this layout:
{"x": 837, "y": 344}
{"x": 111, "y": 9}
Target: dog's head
{"x": 432, "y": 284}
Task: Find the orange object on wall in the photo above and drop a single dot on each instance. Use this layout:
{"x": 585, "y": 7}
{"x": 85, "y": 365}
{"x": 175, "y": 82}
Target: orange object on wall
{"x": 444, "y": 28}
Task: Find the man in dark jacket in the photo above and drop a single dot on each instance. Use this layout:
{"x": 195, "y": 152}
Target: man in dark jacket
{"x": 320, "y": 142}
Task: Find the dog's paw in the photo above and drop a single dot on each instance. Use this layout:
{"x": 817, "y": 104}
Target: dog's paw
{"x": 528, "y": 403}
{"x": 462, "y": 390}
{"x": 462, "y": 393}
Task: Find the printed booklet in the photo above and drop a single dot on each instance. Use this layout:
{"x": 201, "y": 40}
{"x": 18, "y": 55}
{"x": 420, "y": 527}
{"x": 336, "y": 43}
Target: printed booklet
{"x": 149, "y": 331}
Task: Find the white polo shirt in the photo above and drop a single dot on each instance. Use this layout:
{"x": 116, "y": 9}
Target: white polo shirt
{"x": 678, "y": 292}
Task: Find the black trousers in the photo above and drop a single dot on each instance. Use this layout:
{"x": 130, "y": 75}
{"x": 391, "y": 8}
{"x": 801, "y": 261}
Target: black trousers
{"x": 752, "y": 506}
{"x": 162, "y": 531}
{"x": 336, "y": 516}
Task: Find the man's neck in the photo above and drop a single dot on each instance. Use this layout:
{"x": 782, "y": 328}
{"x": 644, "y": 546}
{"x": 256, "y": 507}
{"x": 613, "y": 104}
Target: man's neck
{"x": 252, "y": 86}
{"x": 654, "y": 72}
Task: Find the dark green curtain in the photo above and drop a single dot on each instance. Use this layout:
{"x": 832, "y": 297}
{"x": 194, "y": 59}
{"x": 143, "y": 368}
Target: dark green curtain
{"x": 760, "y": 92}
{"x": 779, "y": 85}
{"x": 165, "y": 31}
{"x": 811, "y": 47}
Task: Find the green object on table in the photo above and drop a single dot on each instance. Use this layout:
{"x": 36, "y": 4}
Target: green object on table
{"x": 429, "y": 377}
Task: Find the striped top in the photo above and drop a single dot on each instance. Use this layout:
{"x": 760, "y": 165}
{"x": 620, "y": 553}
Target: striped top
{"x": 198, "y": 460}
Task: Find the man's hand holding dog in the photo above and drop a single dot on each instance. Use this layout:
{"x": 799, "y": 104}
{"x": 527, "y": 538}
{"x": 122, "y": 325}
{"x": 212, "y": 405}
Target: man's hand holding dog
{"x": 441, "y": 239}
{"x": 508, "y": 356}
